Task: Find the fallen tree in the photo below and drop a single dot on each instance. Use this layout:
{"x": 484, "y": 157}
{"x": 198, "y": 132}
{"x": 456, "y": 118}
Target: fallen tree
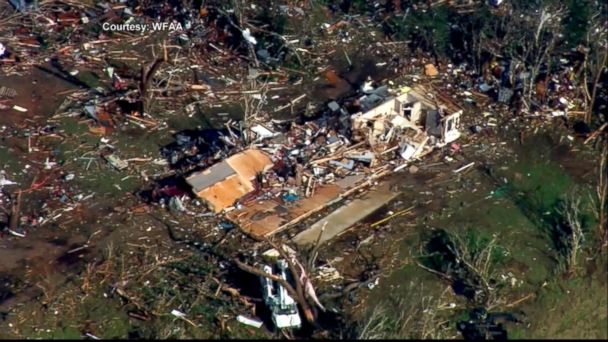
{"x": 303, "y": 292}
{"x": 468, "y": 263}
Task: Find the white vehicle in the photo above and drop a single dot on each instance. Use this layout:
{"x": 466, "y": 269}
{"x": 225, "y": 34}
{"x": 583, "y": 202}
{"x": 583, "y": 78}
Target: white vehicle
{"x": 284, "y": 308}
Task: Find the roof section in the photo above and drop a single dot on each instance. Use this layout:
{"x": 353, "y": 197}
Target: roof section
{"x": 225, "y": 182}
{"x": 249, "y": 163}
{"x": 223, "y": 194}
{"x": 208, "y": 177}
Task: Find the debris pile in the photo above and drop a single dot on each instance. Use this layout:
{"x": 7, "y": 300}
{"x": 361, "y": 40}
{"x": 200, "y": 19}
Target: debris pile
{"x": 288, "y": 172}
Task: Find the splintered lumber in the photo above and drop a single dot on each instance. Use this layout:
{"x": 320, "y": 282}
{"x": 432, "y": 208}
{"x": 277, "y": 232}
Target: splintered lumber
{"x": 291, "y": 103}
{"x": 596, "y": 133}
{"x": 200, "y": 87}
{"x": 336, "y": 155}
{"x": 149, "y": 122}
{"x": 401, "y": 212}
{"x": 464, "y": 167}
{"x": 531, "y": 295}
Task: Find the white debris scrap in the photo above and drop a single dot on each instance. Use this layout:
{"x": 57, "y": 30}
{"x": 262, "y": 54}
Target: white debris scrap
{"x": 263, "y": 132}
{"x": 19, "y": 109}
{"x": 2, "y": 50}
{"x": 4, "y": 181}
{"x": 249, "y": 321}
{"x": 12, "y": 232}
{"x": 178, "y": 313}
{"x": 248, "y": 37}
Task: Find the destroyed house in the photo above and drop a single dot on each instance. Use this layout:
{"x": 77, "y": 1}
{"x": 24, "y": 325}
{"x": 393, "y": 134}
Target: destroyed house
{"x": 412, "y": 121}
{"x": 409, "y": 123}
{"x": 222, "y": 184}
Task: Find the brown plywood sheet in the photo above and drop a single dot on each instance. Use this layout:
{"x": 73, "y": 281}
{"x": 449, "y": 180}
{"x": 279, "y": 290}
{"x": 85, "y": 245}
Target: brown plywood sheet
{"x": 225, "y": 193}
{"x": 264, "y": 218}
{"x": 224, "y": 183}
{"x": 248, "y": 163}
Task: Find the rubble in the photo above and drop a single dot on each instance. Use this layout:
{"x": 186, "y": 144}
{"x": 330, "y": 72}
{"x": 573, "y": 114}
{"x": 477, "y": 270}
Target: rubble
{"x": 310, "y": 165}
{"x": 430, "y": 70}
{"x": 116, "y": 162}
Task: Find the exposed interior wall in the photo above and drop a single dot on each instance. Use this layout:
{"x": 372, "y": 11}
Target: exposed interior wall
{"x": 451, "y": 127}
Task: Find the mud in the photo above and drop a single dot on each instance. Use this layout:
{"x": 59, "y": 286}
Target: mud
{"x": 34, "y": 95}
{"x": 43, "y": 255}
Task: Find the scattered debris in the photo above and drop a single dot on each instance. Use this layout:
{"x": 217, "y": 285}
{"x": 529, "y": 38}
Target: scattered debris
{"x": 19, "y": 109}
{"x": 249, "y": 321}
{"x": 430, "y": 70}
{"x": 261, "y": 174}
{"x": 178, "y": 313}
{"x": 116, "y": 162}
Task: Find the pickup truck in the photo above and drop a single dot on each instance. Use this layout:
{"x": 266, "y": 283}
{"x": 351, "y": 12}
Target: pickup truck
{"x": 283, "y": 307}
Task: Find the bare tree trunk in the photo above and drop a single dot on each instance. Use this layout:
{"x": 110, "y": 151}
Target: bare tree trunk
{"x": 596, "y": 81}
{"x": 146, "y": 77}
{"x": 585, "y": 88}
{"x": 602, "y": 194}
{"x": 596, "y": 57}
{"x": 535, "y": 42}
{"x": 238, "y": 11}
{"x": 15, "y": 210}
{"x": 252, "y": 107}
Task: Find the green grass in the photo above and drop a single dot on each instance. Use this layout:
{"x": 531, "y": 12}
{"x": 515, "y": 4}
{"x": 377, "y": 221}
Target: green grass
{"x": 96, "y": 314}
{"x": 66, "y": 333}
{"x": 89, "y": 78}
{"x": 10, "y": 164}
{"x": 100, "y": 177}
{"x": 574, "y": 308}
{"x": 516, "y": 204}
